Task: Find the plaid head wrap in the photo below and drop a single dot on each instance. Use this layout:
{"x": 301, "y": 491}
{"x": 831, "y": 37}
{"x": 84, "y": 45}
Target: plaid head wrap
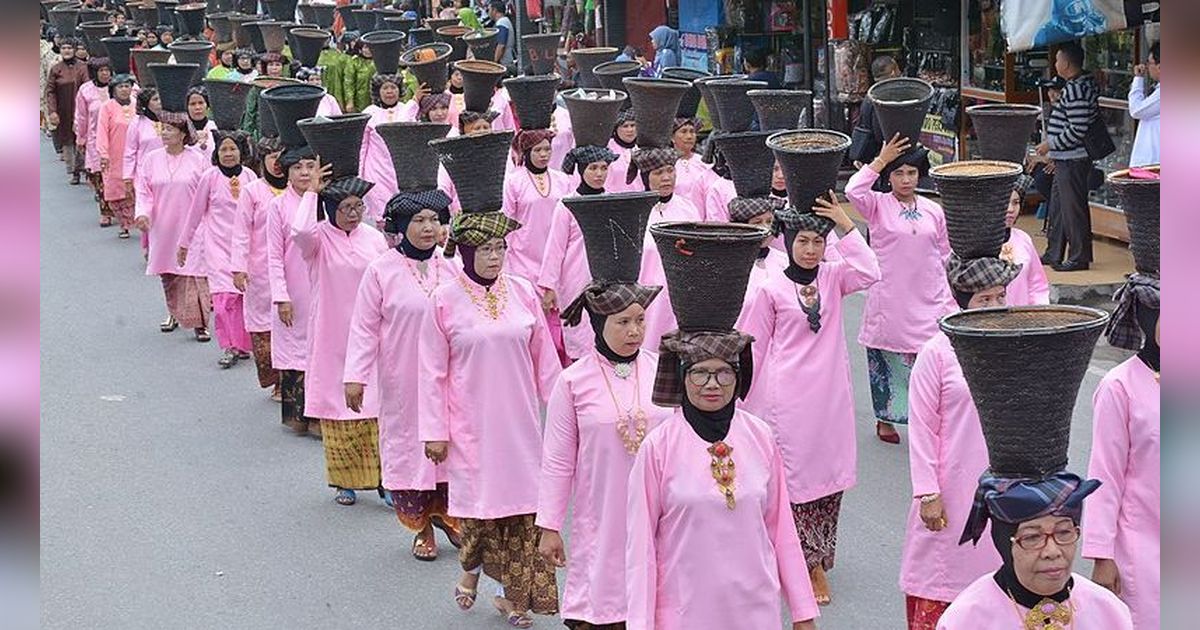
{"x": 1023, "y": 184}
{"x": 584, "y": 155}
{"x": 180, "y": 121}
{"x": 972, "y": 275}
{"x": 476, "y": 228}
{"x": 1016, "y": 501}
{"x": 1140, "y": 291}
{"x": 403, "y": 206}
{"x": 791, "y": 221}
{"x": 377, "y": 82}
{"x": 467, "y": 117}
{"x": 680, "y": 348}
{"x": 608, "y": 298}
{"x": 338, "y": 190}
{"x": 742, "y": 209}
{"x": 429, "y": 102}
{"x": 648, "y": 160}
{"x": 525, "y": 139}
{"x": 683, "y": 121}
{"x": 120, "y": 79}
{"x": 623, "y": 116}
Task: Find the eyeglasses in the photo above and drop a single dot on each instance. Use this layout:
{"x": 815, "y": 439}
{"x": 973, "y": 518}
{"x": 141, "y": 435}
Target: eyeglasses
{"x": 493, "y": 250}
{"x": 700, "y": 378}
{"x": 1037, "y": 541}
{"x": 353, "y": 209}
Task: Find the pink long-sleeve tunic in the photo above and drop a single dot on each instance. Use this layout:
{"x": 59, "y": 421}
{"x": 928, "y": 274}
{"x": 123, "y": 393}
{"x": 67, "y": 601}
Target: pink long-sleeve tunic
{"x": 796, "y": 365}
{"x": 165, "y": 186}
{"x": 762, "y": 271}
{"x": 716, "y": 199}
{"x": 400, "y": 112}
{"x": 985, "y": 606}
{"x": 693, "y": 178}
{"x": 505, "y": 121}
{"x": 1122, "y": 518}
{"x": 112, "y": 127}
{"x": 141, "y": 137}
{"x": 204, "y": 137}
{"x": 329, "y": 106}
{"x": 660, "y": 319}
{"x": 564, "y": 137}
{"x": 681, "y": 569}
{"x": 88, "y": 100}
{"x": 584, "y": 457}
{"x": 946, "y": 455}
{"x": 1030, "y": 286}
{"x": 290, "y": 282}
{"x": 565, "y": 271}
{"x": 523, "y": 202}
{"x": 214, "y": 206}
{"x": 903, "y": 308}
{"x": 249, "y": 253}
{"x": 375, "y": 165}
{"x": 336, "y": 262}
{"x": 393, "y": 300}
{"x": 619, "y": 169}
{"x": 479, "y": 385}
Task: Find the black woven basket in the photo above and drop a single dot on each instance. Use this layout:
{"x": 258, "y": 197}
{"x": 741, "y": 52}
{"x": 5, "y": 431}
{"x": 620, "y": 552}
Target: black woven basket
{"x": 482, "y": 43}
{"x": 809, "y": 159}
{"x": 476, "y": 166}
{"x": 274, "y": 35}
{"x": 243, "y": 35}
{"x": 254, "y": 30}
{"x": 436, "y": 23}
{"x": 222, "y": 27}
{"x": 381, "y": 17}
{"x": 610, "y": 73}
{"x": 65, "y": 19}
{"x": 479, "y": 82}
{"x": 228, "y": 102}
{"x": 736, "y": 110}
{"x": 781, "y": 110}
{"x": 432, "y": 72}
{"x": 92, "y": 34}
{"x": 282, "y": 10}
{"x": 147, "y": 15}
{"x": 750, "y": 161}
{"x": 707, "y": 267}
{"x": 901, "y": 105}
{"x": 193, "y": 51}
{"x": 337, "y": 140}
{"x": 290, "y": 104}
{"x": 218, "y": 6}
{"x": 690, "y": 102}
{"x": 363, "y": 20}
{"x": 117, "y": 50}
{"x": 453, "y": 35}
{"x": 347, "y": 15}
{"x": 532, "y": 99}
{"x": 541, "y": 52}
{"x": 1024, "y": 366}
{"x": 166, "y": 12}
{"x": 89, "y": 14}
{"x": 309, "y": 44}
{"x": 421, "y": 36}
{"x": 249, "y": 7}
{"x": 593, "y": 114}
{"x": 386, "y": 47}
{"x": 975, "y": 197}
{"x": 173, "y": 81}
{"x": 416, "y": 164}
{"x": 1139, "y": 202}
{"x": 319, "y": 15}
{"x": 655, "y": 102}
{"x": 44, "y": 7}
{"x": 614, "y": 229}
{"x": 141, "y": 58}
{"x": 709, "y": 102}
{"x": 266, "y": 119}
{"x": 190, "y": 18}
{"x": 1003, "y": 129}
{"x": 586, "y": 59}
{"x": 402, "y": 24}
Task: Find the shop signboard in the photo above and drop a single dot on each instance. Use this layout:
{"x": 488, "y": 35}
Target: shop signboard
{"x": 941, "y": 141}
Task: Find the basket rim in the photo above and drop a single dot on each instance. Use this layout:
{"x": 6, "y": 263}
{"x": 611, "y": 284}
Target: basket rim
{"x": 410, "y": 123}
{"x": 737, "y": 76}
{"x": 949, "y": 323}
{"x": 684, "y": 70}
{"x": 732, "y": 231}
{"x": 456, "y": 27}
{"x": 939, "y": 172}
{"x": 313, "y": 32}
{"x": 337, "y": 118}
{"x": 898, "y": 80}
{"x": 189, "y": 45}
{"x": 608, "y": 197}
{"x": 776, "y": 137}
{"x": 407, "y": 56}
{"x": 1121, "y": 177}
{"x": 1005, "y": 109}
{"x": 607, "y": 67}
{"x": 770, "y": 92}
{"x": 592, "y": 50}
{"x": 479, "y": 66}
{"x": 652, "y": 81}
{"x": 739, "y": 82}
{"x": 307, "y": 87}
{"x": 536, "y": 78}
{"x": 390, "y": 36}
{"x": 481, "y": 34}
{"x": 618, "y": 95}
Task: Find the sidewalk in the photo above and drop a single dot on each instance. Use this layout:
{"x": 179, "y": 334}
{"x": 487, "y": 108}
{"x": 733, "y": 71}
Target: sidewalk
{"x": 1112, "y": 262}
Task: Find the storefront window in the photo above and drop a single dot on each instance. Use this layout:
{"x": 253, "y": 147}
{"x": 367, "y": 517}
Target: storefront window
{"x": 986, "y": 46}
{"x": 1110, "y": 58}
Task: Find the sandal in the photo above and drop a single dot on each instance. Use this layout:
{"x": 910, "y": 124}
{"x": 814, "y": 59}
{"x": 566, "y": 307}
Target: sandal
{"x": 453, "y": 535}
{"x": 106, "y": 222}
{"x": 202, "y": 335}
{"x": 276, "y": 394}
{"x": 890, "y": 437}
{"x": 123, "y": 234}
{"x": 514, "y": 618}
{"x": 345, "y": 497}
{"x": 424, "y": 548}
{"x": 386, "y": 495}
{"x": 169, "y": 325}
{"x": 464, "y": 597}
{"x": 227, "y": 360}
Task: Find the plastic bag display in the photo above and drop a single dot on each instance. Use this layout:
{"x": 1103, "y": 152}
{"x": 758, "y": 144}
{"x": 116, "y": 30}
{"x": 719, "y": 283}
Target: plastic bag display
{"x": 851, "y": 63}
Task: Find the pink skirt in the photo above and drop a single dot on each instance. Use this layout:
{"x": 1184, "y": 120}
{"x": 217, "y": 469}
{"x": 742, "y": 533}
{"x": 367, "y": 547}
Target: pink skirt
{"x": 229, "y": 323}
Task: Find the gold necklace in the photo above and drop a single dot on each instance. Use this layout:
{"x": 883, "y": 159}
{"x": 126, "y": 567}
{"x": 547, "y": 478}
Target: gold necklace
{"x": 540, "y": 181}
{"x": 493, "y": 301}
{"x": 420, "y": 278}
{"x": 723, "y": 470}
{"x": 1046, "y": 615}
{"x": 633, "y": 414}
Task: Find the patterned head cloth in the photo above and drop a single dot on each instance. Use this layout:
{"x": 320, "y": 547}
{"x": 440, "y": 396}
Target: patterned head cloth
{"x": 623, "y": 116}
{"x": 377, "y": 83}
{"x": 1141, "y": 291}
{"x": 742, "y": 209}
{"x": 429, "y": 102}
{"x": 649, "y": 160}
{"x": 681, "y": 349}
{"x": 1015, "y": 501}
{"x": 681, "y": 122}
{"x": 476, "y": 228}
{"x": 584, "y": 155}
{"x": 968, "y": 276}
{"x": 1022, "y": 185}
{"x": 525, "y": 139}
{"x": 292, "y": 157}
{"x": 467, "y": 117}
{"x": 917, "y": 156}
{"x": 339, "y": 190}
{"x": 180, "y": 121}
{"x": 304, "y": 74}
{"x": 791, "y": 221}
{"x": 240, "y": 138}
{"x": 608, "y": 298}
{"x": 402, "y": 207}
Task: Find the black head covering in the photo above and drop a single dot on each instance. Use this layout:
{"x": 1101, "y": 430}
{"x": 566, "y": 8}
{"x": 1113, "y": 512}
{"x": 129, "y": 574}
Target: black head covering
{"x": 292, "y": 157}
{"x": 143, "y": 103}
{"x": 266, "y": 146}
{"x": 917, "y": 156}
{"x": 242, "y": 140}
{"x": 120, "y": 79}
{"x": 402, "y": 207}
{"x": 339, "y": 190}
{"x": 377, "y": 82}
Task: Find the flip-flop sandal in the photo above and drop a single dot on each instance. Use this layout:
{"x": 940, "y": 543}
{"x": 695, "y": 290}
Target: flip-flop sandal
{"x": 227, "y": 361}
{"x": 387, "y": 498}
{"x": 345, "y": 497}
{"x": 123, "y": 234}
{"x": 202, "y": 335}
{"x": 452, "y": 535}
{"x": 514, "y": 618}
{"x": 464, "y": 597}
{"x": 424, "y": 549}
{"x": 169, "y": 326}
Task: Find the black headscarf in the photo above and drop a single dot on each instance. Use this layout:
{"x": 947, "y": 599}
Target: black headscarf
{"x": 198, "y": 125}
{"x": 602, "y": 346}
{"x": 1147, "y": 319}
{"x": 267, "y": 146}
{"x": 1006, "y": 577}
{"x": 143, "y": 103}
{"x": 711, "y": 426}
{"x": 468, "y": 258}
{"x": 242, "y": 140}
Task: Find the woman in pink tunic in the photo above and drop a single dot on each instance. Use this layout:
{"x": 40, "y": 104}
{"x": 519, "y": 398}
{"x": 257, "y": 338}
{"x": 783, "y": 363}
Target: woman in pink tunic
{"x": 386, "y": 106}
{"x": 249, "y": 259}
{"x": 1030, "y": 286}
{"x": 1121, "y": 525}
{"x": 142, "y": 137}
{"x": 338, "y": 251}
{"x": 165, "y": 186}
{"x": 91, "y": 96}
{"x": 564, "y": 137}
{"x": 908, "y": 234}
{"x": 769, "y": 263}
{"x": 197, "y": 111}
{"x": 564, "y": 271}
{"x": 374, "y": 159}
{"x": 393, "y": 299}
{"x": 531, "y": 191}
{"x": 623, "y": 141}
{"x": 801, "y": 351}
{"x": 215, "y": 205}
{"x": 692, "y": 175}
{"x": 115, "y": 116}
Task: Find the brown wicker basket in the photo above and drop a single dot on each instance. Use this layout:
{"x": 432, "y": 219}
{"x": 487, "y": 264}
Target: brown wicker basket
{"x": 707, "y": 267}
{"x": 479, "y": 82}
{"x": 453, "y": 35}
{"x": 614, "y": 230}
{"x": 809, "y": 159}
{"x": 593, "y": 114}
{"x": 975, "y": 197}
{"x": 1003, "y": 129}
{"x": 1139, "y": 202}
{"x": 655, "y": 102}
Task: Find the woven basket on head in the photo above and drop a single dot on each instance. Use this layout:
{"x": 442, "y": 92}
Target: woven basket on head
{"x": 809, "y": 159}
{"x": 707, "y": 267}
{"x": 402, "y": 24}
{"x": 655, "y": 102}
{"x": 415, "y": 163}
{"x": 218, "y": 6}
{"x": 337, "y": 140}
{"x": 431, "y": 72}
{"x": 479, "y": 82}
{"x": 249, "y": 7}
{"x": 610, "y": 73}
{"x": 691, "y": 99}
{"x": 614, "y": 229}
{"x": 141, "y": 59}
{"x": 709, "y": 102}
{"x": 92, "y": 14}
{"x": 476, "y": 166}
{"x": 92, "y": 34}
{"x": 44, "y": 7}
{"x": 782, "y": 109}
{"x": 1024, "y": 366}
{"x": 483, "y": 43}
{"x": 532, "y": 98}
{"x": 901, "y": 105}
{"x": 274, "y": 35}
{"x": 318, "y": 15}
{"x": 593, "y": 114}
{"x": 346, "y": 12}
{"x": 541, "y": 52}
{"x": 193, "y": 51}
{"x": 1003, "y": 129}
{"x": 222, "y": 27}
{"x": 190, "y": 18}
{"x": 1139, "y": 202}
{"x": 166, "y": 12}
{"x": 311, "y": 41}
{"x": 751, "y": 162}
{"x": 290, "y": 104}
{"x": 586, "y": 59}
{"x": 421, "y": 36}
{"x": 266, "y": 119}
{"x": 453, "y": 35}
{"x": 386, "y": 47}
{"x": 436, "y": 23}
{"x": 975, "y": 197}
{"x": 242, "y": 35}
{"x": 65, "y": 19}
{"x": 173, "y": 81}
{"x": 147, "y": 15}
{"x": 282, "y": 10}
{"x": 117, "y": 50}
{"x": 228, "y": 102}
{"x": 363, "y": 20}
{"x": 736, "y": 110}
{"x": 254, "y": 30}
{"x": 381, "y": 17}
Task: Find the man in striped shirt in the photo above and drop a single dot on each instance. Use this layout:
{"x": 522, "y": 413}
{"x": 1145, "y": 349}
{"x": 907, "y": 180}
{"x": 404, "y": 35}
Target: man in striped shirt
{"x": 1070, "y": 216}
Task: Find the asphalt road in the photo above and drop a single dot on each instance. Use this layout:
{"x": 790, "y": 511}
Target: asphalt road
{"x": 172, "y": 498}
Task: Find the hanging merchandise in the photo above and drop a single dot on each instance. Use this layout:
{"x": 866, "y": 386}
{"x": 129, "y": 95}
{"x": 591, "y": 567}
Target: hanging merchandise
{"x": 781, "y": 16}
{"x": 1038, "y": 23}
{"x": 851, "y": 65}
